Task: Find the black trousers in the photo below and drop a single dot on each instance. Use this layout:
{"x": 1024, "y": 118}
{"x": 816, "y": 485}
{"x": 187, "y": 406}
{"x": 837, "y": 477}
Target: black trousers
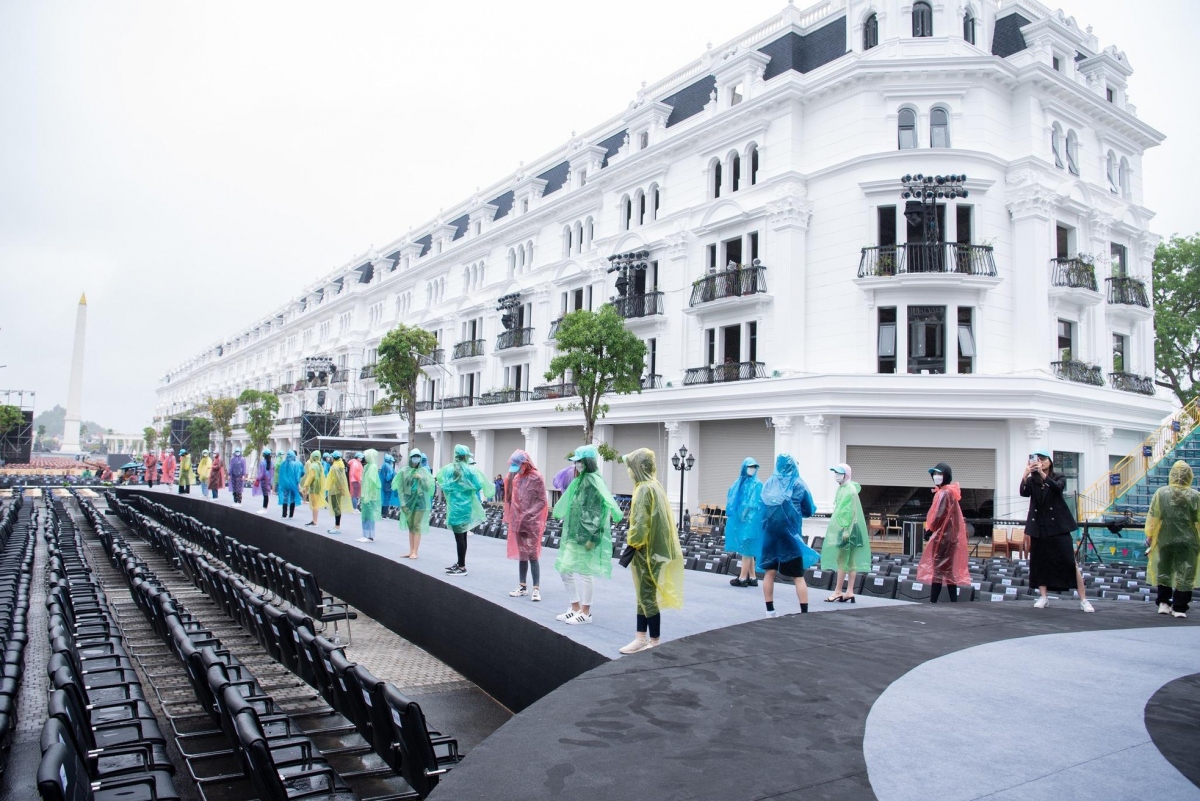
{"x": 460, "y": 543}
{"x": 1178, "y": 599}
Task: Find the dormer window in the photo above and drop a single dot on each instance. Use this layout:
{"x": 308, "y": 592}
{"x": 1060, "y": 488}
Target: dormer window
{"x": 525, "y": 206}
{"x": 1056, "y": 63}
{"x": 643, "y": 140}
{"x": 583, "y": 177}
{"x": 736, "y": 93}
{"x": 1108, "y": 94}
{"x": 922, "y": 20}
{"x": 871, "y": 32}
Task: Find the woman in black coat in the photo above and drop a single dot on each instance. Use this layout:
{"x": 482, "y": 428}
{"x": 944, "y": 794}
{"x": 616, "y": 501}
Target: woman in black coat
{"x": 1049, "y": 526}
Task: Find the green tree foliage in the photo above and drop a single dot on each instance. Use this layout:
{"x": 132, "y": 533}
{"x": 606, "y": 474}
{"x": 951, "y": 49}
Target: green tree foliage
{"x": 1177, "y": 314}
{"x": 398, "y": 369}
{"x": 261, "y": 408}
{"x": 200, "y": 430}
{"x": 164, "y": 436}
{"x": 10, "y": 417}
{"x": 150, "y": 436}
{"x": 222, "y": 411}
{"x": 601, "y": 356}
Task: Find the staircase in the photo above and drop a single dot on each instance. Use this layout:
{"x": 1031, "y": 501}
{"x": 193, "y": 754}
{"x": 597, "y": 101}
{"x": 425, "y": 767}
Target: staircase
{"x": 1136, "y": 500}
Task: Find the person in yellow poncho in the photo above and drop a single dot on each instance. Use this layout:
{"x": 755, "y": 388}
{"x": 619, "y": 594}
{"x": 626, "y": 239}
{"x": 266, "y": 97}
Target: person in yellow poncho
{"x": 1173, "y": 541}
{"x": 312, "y": 485}
{"x": 338, "y": 489}
{"x": 657, "y": 560}
{"x": 204, "y": 469}
{"x": 185, "y": 472}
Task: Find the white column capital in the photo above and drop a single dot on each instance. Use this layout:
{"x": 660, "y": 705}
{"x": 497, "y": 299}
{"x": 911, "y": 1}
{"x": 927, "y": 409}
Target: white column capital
{"x": 1102, "y": 434}
{"x": 817, "y": 423}
{"x": 672, "y": 427}
{"x": 1037, "y": 428}
{"x": 782, "y": 424}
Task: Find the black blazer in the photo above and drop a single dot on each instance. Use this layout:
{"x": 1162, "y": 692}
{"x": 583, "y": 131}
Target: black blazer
{"x": 1048, "y": 512}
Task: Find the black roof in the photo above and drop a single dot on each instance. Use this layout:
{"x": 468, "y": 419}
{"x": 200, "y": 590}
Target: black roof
{"x": 1007, "y": 37}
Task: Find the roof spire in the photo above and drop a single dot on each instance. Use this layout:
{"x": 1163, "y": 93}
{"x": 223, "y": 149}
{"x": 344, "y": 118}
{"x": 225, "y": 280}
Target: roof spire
{"x": 83, "y": 299}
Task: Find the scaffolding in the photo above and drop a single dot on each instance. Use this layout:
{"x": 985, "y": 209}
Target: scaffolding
{"x": 16, "y": 444}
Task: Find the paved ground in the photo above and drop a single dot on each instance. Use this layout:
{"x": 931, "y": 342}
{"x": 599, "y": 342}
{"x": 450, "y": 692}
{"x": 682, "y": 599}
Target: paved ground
{"x": 709, "y": 601}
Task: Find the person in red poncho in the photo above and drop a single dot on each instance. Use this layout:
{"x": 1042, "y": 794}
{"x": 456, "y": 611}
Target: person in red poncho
{"x": 150, "y": 462}
{"x": 168, "y": 463}
{"x": 945, "y": 557}
{"x": 525, "y": 509}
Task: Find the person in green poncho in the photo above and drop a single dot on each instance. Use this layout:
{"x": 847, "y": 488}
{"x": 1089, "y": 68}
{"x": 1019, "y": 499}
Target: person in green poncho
{"x": 657, "y": 564}
{"x": 461, "y": 482}
{"x": 414, "y": 487}
{"x": 588, "y": 511}
{"x": 1173, "y": 541}
{"x": 846, "y": 549}
{"x": 370, "y": 499}
{"x": 338, "y": 490}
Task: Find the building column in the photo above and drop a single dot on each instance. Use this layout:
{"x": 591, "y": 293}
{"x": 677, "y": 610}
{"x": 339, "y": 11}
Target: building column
{"x": 681, "y": 433}
{"x": 783, "y": 435}
{"x": 1035, "y": 338}
{"x": 784, "y": 252}
{"x": 814, "y": 461}
{"x": 537, "y": 445}
{"x": 484, "y": 439}
{"x": 438, "y": 457}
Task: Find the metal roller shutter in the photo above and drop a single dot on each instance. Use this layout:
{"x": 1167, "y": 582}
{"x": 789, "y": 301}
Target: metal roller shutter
{"x": 885, "y": 466}
{"x": 630, "y": 438}
{"x": 560, "y": 442}
{"x": 504, "y": 442}
{"x": 724, "y": 444}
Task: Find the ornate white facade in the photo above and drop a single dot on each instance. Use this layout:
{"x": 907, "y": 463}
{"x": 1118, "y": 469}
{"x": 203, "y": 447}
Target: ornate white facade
{"x": 787, "y": 145}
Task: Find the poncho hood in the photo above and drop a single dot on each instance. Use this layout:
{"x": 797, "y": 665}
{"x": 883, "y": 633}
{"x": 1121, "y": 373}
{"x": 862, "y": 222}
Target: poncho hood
{"x": 1182, "y": 474}
{"x": 641, "y": 465}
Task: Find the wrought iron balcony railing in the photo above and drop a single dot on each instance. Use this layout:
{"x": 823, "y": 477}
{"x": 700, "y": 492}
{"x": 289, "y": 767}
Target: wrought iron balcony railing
{"x": 342, "y": 377}
{"x": 426, "y": 406}
{"x": 368, "y": 371}
{"x": 468, "y": 349}
{"x": 503, "y": 396}
{"x": 1131, "y": 382}
{"x": 721, "y": 373}
{"x": 549, "y": 391}
{"x": 632, "y": 307}
{"x": 1127, "y": 291}
{"x": 652, "y": 381}
{"x": 459, "y": 402}
{"x": 733, "y": 283}
{"x": 922, "y": 257}
{"x": 514, "y": 338}
{"x": 554, "y": 324}
{"x": 1080, "y": 372}
{"x": 1073, "y": 273}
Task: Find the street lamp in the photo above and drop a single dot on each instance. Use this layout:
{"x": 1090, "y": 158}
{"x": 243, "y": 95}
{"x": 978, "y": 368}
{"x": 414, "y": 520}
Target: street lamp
{"x": 683, "y": 462}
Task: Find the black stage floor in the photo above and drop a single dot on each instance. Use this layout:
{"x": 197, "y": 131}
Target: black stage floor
{"x": 945, "y": 701}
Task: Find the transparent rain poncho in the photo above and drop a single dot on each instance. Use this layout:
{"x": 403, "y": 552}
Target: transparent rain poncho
{"x": 588, "y": 511}
{"x": 313, "y": 482}
{"x": 204, "y": 469}
{"x": 414, "y": 489}
{"x": 185, "y": 470}
{"x": 563, "y": 478}
{"x": 525, "y": 508}
{"x": 461, "y": 483}
{"x": 786, "y": 502}
{"x": 289, "y": 473}
{"x": 945, "y": 558}
{"x": 370, "y": 502}
{"x": 387, "y": 474}
{"x": 338, "y": 487}
{"x": 658, "y": 564}
{"x": 1173, "y": 528}
{"x": 743, "y": 513}
{"x": 846, "y": 544}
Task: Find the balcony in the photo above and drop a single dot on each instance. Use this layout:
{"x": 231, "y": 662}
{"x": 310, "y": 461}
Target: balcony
{"x": 436, "y": 356}
{"x": 514, "y": 338}
{"x": 368, "y": 371}
{"x": 354, "y": 414}
{"x": 734, "y": 283}
{"x": 721, "y": 373}
{"x": 652, "y": 381}
{"x": 427, "y": 406}
{"x": 300, "y": 386}
{"x": 552, "y": 391}
{"x": 459, "y": 402}
{"x": 650, "y": 304}
{"x": 927, "y": 258}
{"x": 341, "y": 379}
{"x": 503, "y": 396}
{"x": 469, "y": 349}
{"x": 554, "y": 324}
{"x": 1131, "y": 382}
{"x": 1073, "y": 274}
{"x": 1126, "y": 291}
{"x": 1080, "y": 372}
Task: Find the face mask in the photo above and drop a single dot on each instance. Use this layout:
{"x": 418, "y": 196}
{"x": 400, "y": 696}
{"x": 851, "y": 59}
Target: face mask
{"x": 415, "y": 462}
{"x": 937, "y": 479}
{"x": 752, "y": 469}
{"x": 839, "y": 478}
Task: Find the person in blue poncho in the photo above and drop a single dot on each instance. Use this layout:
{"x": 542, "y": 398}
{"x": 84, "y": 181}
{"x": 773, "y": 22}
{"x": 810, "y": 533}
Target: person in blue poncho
{"x": 743, "y": 521}
{"x": 391, "y": 499}
{"x": 786, "y": 502}
{"x": 288, "y": 488}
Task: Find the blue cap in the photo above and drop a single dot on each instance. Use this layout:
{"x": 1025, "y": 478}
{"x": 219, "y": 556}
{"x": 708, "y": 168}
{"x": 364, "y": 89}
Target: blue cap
{"x": 514, "y": 468}
{"x": 1043, "y": 454}
{"x": 337, "y": 454}
{"x": 585, "y": 452}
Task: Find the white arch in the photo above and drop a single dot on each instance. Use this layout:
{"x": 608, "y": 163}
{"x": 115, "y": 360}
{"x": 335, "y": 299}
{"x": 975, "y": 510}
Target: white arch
{"x": 719, "y": 212}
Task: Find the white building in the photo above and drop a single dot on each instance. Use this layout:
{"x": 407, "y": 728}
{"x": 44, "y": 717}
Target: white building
{"x": 785, "y": 148}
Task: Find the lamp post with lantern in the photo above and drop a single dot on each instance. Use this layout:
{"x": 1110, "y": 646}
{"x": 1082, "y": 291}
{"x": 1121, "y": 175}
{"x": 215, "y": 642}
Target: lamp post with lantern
{"x": 683, "y": 462}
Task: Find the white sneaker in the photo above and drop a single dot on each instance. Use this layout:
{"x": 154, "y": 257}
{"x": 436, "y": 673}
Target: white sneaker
{"x": 519, "y": 591}
{"x": 1041, "y": 603}
{"x": 565, "y": 616}
{"x": 334, "y": 531}
{"x": 1178, "y": 614}
{"x": 537, "y": 594}
{"x": 261, "y": 512}
{"x": 1164, "y": 609}
{"x": 577, "y": 619}
{"x": 772, "y": 613}
{"x": 638, "y": 644}
{"x": 362, "y": 539}
{"x": 651, "y": 643}
{"x": 1086, "y": 606}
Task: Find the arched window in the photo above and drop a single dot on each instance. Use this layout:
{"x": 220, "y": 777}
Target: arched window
{"x": 579, "y": 236}
{"x": 639, "y": 202}
{"x": 653, "y": 201}
{"x": 1110, "y": 169}
{"x": 735, "y": 172}
{"x": 626, "y": 212}
{"x": 716, "y": 178}
{"x": 1056, "y": 145}
{"x": 567, "y": 242}
{"x": 907, "y": 123}
{"x": 591, "y": 231}
{"x": 466, "y": 279}
{"x": 1123, "y": 177}
{"x": 1072, "y": 153}
{"x": 512, "y": 262}
{"x": 753, "y": 158}
{"x": 969, "y": 26}
{"x": 871, "y": 32}
{"x": 939, "y": 128}
{"x": 922, "y": 18}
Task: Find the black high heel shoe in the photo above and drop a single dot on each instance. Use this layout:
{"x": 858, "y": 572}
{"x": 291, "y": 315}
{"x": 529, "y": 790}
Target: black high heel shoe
{"x": 846, "y": 598}
{"x": 833, "y": 598}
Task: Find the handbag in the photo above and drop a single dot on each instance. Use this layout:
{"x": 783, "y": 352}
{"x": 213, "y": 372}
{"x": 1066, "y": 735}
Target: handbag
{"x": 627, "y": 556}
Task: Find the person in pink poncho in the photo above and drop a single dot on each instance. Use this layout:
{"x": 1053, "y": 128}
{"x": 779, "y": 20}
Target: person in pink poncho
{"x": 525, "y": 510}
{"x": 354, "y": 473}
{"x": 945, "y": 558}
{"x": 168, "y": 463}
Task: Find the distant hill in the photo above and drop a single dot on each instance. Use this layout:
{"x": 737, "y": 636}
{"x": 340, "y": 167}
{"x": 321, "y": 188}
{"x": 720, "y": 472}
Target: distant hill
{"x": 54, "y": 419}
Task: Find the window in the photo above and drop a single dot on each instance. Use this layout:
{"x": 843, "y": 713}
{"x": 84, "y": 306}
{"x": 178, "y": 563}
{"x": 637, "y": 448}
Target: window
{"x": 1066, "y": 340}
{"x": 1118, "y": 257}
{"x": 966, "y": 340}
{"x": 963, "y": 215}
{"x": 1072, "y": 153}
{"x": 1108, "y": 95}
{"x": 1118, "y": 355}
{"x": 969, "y": 26}
{"x": 753, "y": 155}
{"x": 1056, "y": 64}
{"x": 651, "y": 356}
{"x": 926, "y": 339}
{"x": 716, "y": 184}
{"x": 1110, "y": 168}
{"x": 1123, "y": 177}
{"x": 907, "y": 122}
{"x": 654, "y": 201}
{"x": 752, "y": 341}
{"x": 627, "y": 216}
{"x": 711, "y": 345}
{"x": 886, "y": 216}
{"x": 871, "y": 32}
{"x": 1064, "y": 236}
{"x": 641, "y": 207}
{"x": 735, "y": 172}
{"x": 1066, "y": 464}
{"x": 922, "y": 19}
{"x": 736, "y": 94}
{"x": 1056, "y": 145}
{"x": 887, "y": 340}
{"x": 643, "y": 140}
{"x": 939, "y": 128}
{"x": 583, "y": 177}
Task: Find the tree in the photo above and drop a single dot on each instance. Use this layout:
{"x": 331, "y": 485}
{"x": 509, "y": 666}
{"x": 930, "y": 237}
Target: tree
{"x": 260, "y": 413}
{"x": 41, "y": 436}
{"x": 164, "y": 436}
{"x": 10, "y": 418}
{"x": 601, "y": 356}
{"x": 399, "y": 367}
{"x": 150, "y": 436}
{"x": 222, "y": 411}
{"x": 200, "y": 431}
{"x": 83, "y": 430}
{"x": 1177, "y": 314}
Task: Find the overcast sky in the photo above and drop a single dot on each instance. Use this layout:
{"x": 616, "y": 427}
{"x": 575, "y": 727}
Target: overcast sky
{"x": 192, "y": 165}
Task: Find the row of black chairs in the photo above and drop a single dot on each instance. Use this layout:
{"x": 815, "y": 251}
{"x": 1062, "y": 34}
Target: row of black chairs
{"x": 101, "y": 739}
{"x": 18, "y": 521}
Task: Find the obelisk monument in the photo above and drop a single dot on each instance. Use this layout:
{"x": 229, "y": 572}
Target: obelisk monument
{"x": 70, "y": 440}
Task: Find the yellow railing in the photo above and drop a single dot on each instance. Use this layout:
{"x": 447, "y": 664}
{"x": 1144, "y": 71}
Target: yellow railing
{"x": 1098, "y": 498}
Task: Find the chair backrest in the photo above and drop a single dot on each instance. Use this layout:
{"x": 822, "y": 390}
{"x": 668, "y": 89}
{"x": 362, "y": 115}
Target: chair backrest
{"x": 60, "y": 705}
{"x": 362, "y": 685}
{"x": 62, "y": 776}
{"x": 309, "y": 657}
{"x": 417, "y": 759}
{"x": 253, "y": 745}
{"x": 278, "y": 627}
